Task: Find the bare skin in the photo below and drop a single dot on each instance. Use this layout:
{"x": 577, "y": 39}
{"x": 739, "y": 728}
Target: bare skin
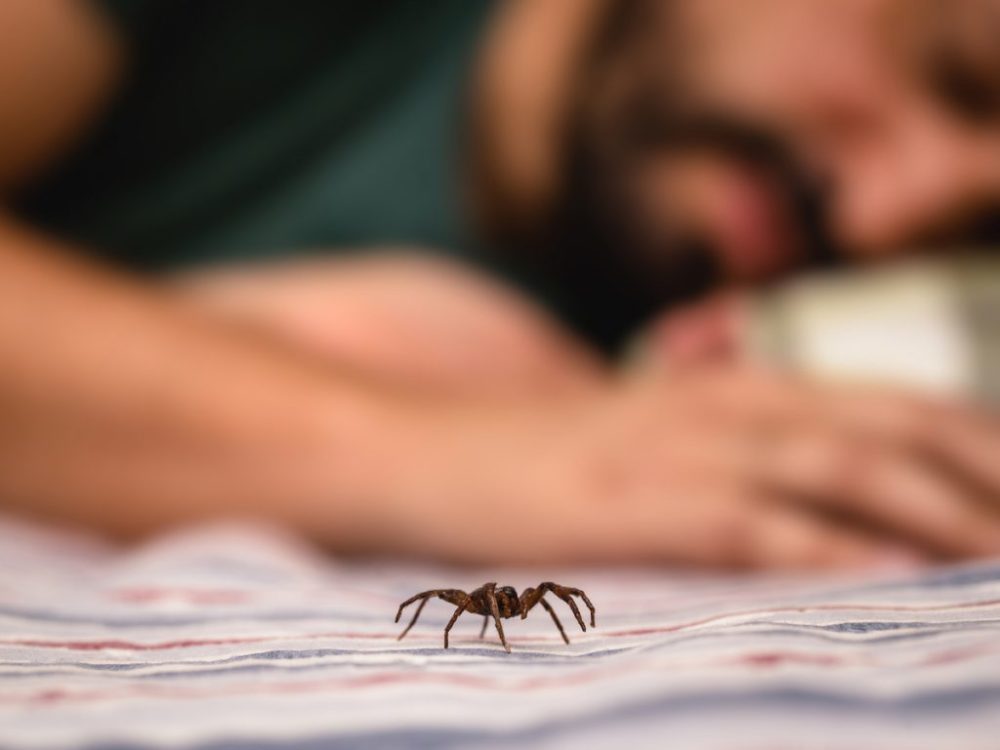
{"x": 850, "y": 89}
{"x": 130, "y": 407}
{"x": 428, "y": 324}
{"x": 48, "y": 47}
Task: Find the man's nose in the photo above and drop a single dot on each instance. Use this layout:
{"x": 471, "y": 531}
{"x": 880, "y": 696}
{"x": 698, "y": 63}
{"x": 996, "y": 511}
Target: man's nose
{"x": 920, "y": 180}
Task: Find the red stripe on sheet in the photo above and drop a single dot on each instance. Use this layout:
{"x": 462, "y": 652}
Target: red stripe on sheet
{"x": 186, "y": 643}
{"x": 769, "y": 659}
{"x": 172, "y": 692}
{"x": 131, "y": 645}
{"x": 77, "y": 645}
{"x": 147, "y": 690}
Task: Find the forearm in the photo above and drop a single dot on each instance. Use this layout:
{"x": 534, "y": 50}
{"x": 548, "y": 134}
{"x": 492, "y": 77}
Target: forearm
{"x": 125, "y": 410}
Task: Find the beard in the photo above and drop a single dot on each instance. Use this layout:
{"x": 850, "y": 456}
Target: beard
{"x": 606, "y": 267}
{"x": 615, "y": 274}
{"x": 616, "y": 269}
{"x": 610, "y": 266}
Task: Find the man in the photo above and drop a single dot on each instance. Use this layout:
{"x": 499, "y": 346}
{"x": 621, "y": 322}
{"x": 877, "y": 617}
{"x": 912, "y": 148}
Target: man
{"x": 388, "y": 402}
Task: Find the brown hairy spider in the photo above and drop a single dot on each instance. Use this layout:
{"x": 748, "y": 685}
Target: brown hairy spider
{"x": 488, "y": 600}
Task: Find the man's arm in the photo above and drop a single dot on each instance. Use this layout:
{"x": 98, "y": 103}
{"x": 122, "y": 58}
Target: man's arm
{"x": 404, "y": 317}
{"x": 118, "y": 407}
{"x": 59, "y": 63}
{"x": 125, "y": 410}
{"x": 128, "y": 407}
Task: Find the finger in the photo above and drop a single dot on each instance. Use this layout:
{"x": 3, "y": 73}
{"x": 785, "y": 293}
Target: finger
{"x": 779, "y": 537}
{"x": 969, "y": 442}
{"x": 963, "y": 436}
{"x": 747, "y": 393}
{"x": 730, "y": 525}
{"x": 888, "y": 487}
{"x": 766, "y": 398}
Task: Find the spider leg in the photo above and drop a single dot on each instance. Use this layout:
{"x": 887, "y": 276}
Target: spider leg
{"x": 548, "y": 608}
{"x": 590, "y": 606}
{"x": 408, "y": 602}
{"x": 572, "y": 605}
{"x": 454, "y": 619}
{"x": 414, "y": 619}
{"x": 529, "y": 598}
{"x": 453, "y": 596}
{"x": 482, "y": 631}
{"x": 566, "y": 593}
{"x": 491, "y": 597}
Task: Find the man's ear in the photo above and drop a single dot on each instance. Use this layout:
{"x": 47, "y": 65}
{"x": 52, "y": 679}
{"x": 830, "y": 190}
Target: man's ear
{"x": 59, "y": 63}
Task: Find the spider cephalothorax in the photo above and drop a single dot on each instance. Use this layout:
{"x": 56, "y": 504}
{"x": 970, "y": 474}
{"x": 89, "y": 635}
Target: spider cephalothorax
{"x": 502, "y": 602}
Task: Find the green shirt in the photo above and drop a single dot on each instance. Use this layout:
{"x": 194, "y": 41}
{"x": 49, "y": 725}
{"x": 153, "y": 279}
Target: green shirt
{"x": 250, "y": 128}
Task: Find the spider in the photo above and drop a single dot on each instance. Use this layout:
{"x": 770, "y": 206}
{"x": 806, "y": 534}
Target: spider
{"x": 488, "y": 600}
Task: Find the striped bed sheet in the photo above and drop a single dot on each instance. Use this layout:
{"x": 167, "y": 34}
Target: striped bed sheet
{"x": 242, "y": 637}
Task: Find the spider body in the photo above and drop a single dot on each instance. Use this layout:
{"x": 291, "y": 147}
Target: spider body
{"x": 500, "y": 603}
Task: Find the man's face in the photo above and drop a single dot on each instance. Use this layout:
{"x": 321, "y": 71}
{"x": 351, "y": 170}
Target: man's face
{"x": 888, "y": 111}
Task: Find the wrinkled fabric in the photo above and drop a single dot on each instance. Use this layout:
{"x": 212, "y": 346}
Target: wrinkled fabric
{"x": 238, "y": 636}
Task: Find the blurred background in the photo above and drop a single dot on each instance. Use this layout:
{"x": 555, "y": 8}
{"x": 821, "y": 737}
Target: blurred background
{"x": 618, "y": 159}
{"x": 234, "y": 228}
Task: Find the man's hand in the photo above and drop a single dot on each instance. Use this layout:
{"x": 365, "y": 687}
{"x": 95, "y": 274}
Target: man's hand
{"x": 714, "y": 467}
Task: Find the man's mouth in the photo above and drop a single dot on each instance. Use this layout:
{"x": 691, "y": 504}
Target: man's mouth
{"x": 751, "y": 224}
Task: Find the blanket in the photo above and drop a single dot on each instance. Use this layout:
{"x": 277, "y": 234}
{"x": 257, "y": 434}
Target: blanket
{"x": 240, "y": 636}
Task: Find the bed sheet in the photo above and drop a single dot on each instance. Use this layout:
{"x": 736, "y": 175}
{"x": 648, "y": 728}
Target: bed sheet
{"x": 243, "y": 637}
